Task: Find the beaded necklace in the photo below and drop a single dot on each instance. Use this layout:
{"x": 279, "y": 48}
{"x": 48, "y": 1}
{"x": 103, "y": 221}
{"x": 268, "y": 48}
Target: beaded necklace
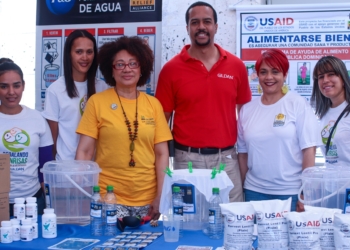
{"x": 132, "y": 136}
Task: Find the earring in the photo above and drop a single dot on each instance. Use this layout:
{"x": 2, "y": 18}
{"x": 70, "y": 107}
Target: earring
{"x": 259, "y": 89}
{"x": 140, "y": 75}
{"x": 285, "y": 89}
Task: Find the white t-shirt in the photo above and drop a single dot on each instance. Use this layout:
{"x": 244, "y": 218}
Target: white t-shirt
{"x": 59, "y": 107}
{"x": 274, "y": 136}
{"x": 21, "y": 136}
{"x": 339, "y": 149}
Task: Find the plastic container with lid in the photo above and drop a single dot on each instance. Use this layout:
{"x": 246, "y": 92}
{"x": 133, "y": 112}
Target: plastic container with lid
{"x": 31, "y": 209}
{"x": 68, "y": 186}
{"x": 325, "y": 186}
{"x": 49, "y": 223}
{"x": 19, "y": 209}
{"x": 6, "y": 232}
{"x": 26, "y": 230}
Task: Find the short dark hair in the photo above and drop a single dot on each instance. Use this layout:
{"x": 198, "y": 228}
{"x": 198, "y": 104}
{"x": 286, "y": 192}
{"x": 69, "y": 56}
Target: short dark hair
{"x": 200, "y": 3}
{"x": 135, "y": 46}
{"x": 5, "y": 59}
{"x": 10, "y": 66}
{"x": 324, "y": 65}
{"x": 67, "y": 64}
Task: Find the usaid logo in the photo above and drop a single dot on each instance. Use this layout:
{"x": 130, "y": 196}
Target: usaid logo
{"x": 60, "y": 7}
{"x": 251, "y": 23}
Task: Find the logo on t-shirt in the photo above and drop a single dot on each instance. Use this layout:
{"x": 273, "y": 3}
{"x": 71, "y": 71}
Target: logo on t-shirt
{"x": 82, "y": 104}
{"x": 15, "y": 139}
{"x": 332, "y": 154}
{"x": 280, "y": 119}
{"x": 147, "y": 121}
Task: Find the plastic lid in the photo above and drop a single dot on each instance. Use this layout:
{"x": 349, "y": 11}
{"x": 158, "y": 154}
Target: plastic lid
{"x": 176, "y": 189}
{"x": 19, "y": 200}
{"x": 14, "y": 221}
{"x": 49, "y": 210}
{"x": 31, "y": 199}
{"x": 71, "y": 167}
{"x": 6, "y": 223}
{"x": 216, "y": 190}
{"x": 110, "y": 188}
{"x": 323, "y": 172}
{"x": 26, "y": 222}
{"x": 96, "y": 189}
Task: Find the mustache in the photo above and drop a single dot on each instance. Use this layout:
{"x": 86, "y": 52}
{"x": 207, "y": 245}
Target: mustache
{"x": 201, "y": 31}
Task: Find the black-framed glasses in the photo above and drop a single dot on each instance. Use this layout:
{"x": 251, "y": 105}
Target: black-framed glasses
{"x": 131, "y": 65}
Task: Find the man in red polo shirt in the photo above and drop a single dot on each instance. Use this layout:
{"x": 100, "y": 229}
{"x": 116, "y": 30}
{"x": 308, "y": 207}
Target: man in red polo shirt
{"x": 203, "y": 85}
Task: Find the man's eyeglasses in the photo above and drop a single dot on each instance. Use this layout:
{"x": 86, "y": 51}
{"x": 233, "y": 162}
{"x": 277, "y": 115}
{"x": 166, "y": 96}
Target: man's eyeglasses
{"x": 131, "y": 65}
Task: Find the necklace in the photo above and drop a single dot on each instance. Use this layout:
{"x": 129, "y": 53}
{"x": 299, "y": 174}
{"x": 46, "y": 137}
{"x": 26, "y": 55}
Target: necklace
{"x": 132, "y": 135}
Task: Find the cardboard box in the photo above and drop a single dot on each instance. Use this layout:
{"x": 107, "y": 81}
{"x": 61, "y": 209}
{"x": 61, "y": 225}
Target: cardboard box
{"x": 4, "y": 186}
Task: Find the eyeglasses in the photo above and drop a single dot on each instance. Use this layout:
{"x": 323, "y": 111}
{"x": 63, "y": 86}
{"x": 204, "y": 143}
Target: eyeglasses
{"x": 131, "y": 65}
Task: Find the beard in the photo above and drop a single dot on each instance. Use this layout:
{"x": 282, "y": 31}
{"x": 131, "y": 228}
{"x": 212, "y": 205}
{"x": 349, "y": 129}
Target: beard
{"x": 204, "y": 43}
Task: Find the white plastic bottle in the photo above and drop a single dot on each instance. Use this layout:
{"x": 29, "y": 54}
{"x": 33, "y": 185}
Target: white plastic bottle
{"x": 110, "y": 207}
{"x": 6, "y": 231}
{"x": 32, "y": 209}
{"x": 178, "y": 207}
{"x": 215, "y": 217}
{"x": 49, "y": 223}
{"x": 16, "y": 230}
{"x": 26, "y": 230}
{"x": 19, "y": 211}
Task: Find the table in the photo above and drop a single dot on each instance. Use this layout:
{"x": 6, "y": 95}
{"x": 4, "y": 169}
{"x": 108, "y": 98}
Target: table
{"x": 64, "y": 231}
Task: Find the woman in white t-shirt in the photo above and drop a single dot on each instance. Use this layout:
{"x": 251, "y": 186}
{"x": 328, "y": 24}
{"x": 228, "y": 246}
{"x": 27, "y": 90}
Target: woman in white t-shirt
{"x": 25, "y": 136}
{"x": 277, "y": 138}
{"x": 66, "y": 98}
{"x": 330, "y": 96}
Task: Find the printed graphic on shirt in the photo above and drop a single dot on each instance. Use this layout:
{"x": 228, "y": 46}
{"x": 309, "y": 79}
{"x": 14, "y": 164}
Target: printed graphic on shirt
{"x": 82, "y": 104}
{"x": 280, "y": 119}
{"x": 15, "y": 139}
{"x": 148, "y": 121}
{"x": 332, "y": 155}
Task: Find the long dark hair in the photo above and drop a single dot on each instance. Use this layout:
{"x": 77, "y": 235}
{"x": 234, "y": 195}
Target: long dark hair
{"x": 324, "y": 65}
{"x": 67, "y": 62}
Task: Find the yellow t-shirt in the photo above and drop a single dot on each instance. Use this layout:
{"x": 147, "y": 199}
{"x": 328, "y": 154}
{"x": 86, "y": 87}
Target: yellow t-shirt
{"x": 103, "y": 120}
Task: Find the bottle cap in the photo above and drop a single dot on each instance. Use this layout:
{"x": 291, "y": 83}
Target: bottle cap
{"x": 109, "y": 188}
{"x": 216, "y": 190}
{"x": 176, "y": 189}
{"x": 14, "y": 222}
{"x": 96, "y": 189}
{"x": 6, "y": 223}
{"x": 26, "y": 222}
{"x": 31, "y": 199}
{"x": 49, "y": 210}
{"x": 19, "y": 200}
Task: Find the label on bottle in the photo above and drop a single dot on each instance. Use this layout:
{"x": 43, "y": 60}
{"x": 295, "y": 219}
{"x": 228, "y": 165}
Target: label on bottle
{"x": 96, "y": 210}
{"x": 111, "y": 216}
{"x": 178, "y": 210}
{"x": 212, "y": 213}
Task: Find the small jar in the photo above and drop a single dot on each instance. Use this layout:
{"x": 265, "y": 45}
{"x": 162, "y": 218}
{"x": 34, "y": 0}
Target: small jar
{"x": 26, "y": 230}
{"x": 19, "y": 211}
{"x": 6, "y": 232}
{"x": 31, "y": 209}
{"x": 16, "y": 230}
{"x": 49, "y": 223}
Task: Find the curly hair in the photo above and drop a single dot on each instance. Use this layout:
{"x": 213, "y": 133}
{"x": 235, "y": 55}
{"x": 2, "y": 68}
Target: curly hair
{"x": 135, "y": 46}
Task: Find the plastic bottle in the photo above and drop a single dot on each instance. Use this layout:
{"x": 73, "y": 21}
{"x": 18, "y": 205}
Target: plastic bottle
{"x": 16, "y": 230}
{"x": 110, "y": 207}
{"x": 32, "y": 209}
{"x": 19, "y": 211}
{"x": 178, "y": 207}
{"x": 49, "y": 223}
{"x": 6, "y": 231}
{"x": 26, "y": 230}
{"x": 96, "y": 220}
{"x": 215, "y": 217}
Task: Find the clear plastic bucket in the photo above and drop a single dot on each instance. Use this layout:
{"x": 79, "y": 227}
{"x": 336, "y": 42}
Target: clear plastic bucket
{"x": 68, "y": 188}
{"x": 325, "y": 186}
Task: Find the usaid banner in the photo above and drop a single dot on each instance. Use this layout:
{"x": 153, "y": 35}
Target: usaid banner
{"x": 305, "y": 33}
{"x": 105, "y": 19}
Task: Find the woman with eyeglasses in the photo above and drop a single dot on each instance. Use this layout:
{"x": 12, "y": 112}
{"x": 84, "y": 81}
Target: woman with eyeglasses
{"x": 126, "y": 130}
{"x": 66, "y": 97}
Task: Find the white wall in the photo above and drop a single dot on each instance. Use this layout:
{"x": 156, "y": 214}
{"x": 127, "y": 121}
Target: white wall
{"x": 17, "y": 33}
